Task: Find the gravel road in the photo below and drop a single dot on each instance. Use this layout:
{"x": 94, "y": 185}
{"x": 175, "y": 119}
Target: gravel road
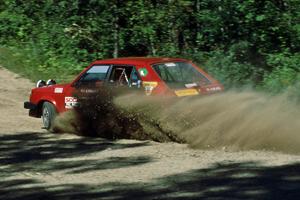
{"x": 35, "y": 164}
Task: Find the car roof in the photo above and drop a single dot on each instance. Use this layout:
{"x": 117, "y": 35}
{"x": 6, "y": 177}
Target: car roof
{"x": 138, "y": 60}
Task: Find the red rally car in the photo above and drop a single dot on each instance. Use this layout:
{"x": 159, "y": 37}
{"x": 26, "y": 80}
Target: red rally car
{"x": 154, "y": 76}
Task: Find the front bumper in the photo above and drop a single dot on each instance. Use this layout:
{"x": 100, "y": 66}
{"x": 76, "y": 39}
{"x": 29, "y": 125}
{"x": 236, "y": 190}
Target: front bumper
{"x": 29, "y": 105}
{"x": 33, "y": 109}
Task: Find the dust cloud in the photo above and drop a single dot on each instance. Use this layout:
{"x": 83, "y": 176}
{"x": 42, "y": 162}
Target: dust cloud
{"x": 232, "y": 120}
{"x": 99, "y": 116}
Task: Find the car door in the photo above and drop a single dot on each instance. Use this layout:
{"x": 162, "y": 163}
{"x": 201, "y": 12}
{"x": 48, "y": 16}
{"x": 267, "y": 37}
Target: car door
{"x": 86, "y": 84}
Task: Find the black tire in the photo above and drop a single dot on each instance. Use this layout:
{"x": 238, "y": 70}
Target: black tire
{"x": 48, "y": 116}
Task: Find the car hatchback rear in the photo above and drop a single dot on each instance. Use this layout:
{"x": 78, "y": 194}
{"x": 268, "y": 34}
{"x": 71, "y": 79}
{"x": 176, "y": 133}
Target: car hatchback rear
{"x": 185, "y": 79}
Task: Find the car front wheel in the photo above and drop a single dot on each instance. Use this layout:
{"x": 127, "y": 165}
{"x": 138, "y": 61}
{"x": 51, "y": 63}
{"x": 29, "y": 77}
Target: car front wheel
{"x": 48, "y": 116}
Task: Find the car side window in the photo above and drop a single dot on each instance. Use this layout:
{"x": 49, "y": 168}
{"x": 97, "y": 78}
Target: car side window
{"x": 124, "y": 76}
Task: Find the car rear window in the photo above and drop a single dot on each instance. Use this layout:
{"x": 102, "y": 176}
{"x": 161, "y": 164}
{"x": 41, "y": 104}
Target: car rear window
{"x": 180, "y": 75}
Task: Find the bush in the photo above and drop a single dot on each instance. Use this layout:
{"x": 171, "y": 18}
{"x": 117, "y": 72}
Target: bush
{"x": 286, "y": 73}
{"x": 233, "y": 67}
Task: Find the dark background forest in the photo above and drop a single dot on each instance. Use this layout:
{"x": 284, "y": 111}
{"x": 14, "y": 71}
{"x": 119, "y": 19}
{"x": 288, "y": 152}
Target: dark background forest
{"x": 240, "y": 42}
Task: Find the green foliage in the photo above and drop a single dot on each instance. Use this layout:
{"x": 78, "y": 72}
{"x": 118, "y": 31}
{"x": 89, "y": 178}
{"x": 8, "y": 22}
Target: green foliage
{"x": 286, "y": 73}
{"x": 232, "y": 67}
{"x": 239, "y": 42}
{"x": 27, "y": 63}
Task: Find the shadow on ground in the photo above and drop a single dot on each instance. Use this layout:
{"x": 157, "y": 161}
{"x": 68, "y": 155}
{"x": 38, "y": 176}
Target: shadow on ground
{"x": 36, "y": 152}
{"x": 225, "y": 180}
{"x": 222, "y": 181}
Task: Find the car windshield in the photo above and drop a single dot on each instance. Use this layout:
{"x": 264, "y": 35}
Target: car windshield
{"x": 180, "y": 75}
{"x": 95, "y": 73}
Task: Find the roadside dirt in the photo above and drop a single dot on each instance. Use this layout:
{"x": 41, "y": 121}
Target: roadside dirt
{"x": 35, "y": 164}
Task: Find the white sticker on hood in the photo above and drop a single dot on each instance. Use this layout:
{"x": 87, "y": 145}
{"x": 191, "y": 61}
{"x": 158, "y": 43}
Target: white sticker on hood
{"x": 58, "y": 90}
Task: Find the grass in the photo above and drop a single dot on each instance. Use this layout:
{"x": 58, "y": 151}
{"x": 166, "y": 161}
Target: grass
{"x": 35, "y": 67}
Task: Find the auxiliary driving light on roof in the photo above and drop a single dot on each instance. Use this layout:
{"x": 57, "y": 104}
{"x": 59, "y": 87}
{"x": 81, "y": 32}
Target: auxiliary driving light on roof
{"x": 41, "y": 83}
{"x": 50, "y": 82}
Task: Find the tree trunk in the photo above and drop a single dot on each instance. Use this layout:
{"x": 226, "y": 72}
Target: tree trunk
{"x": 116, "y": 38}
{"x": 116, "y": 34}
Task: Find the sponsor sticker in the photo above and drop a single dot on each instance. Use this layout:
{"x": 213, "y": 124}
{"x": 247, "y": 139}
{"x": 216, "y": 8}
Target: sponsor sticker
{"x": 70, "y": 102}
{"x": 143, "y": 72}
{"x": 170, "y": 64}
{"x": 150, "y": 83}
{"x": 190, "y": 85}
{"x": 213, "y": 89}
{"x": 187, "y": 92}
{"x": 149, "y": 86}
{"x": 58, "y": 90}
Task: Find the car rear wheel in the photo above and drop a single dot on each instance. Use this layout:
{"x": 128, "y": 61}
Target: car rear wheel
{"x": 48, "y": 116}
